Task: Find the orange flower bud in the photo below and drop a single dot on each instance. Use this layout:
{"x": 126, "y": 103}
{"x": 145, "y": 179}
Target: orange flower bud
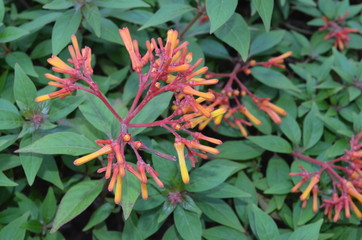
{"x": 181, "y": 159}
{"x": 353, "y": 192}
{"x": 105, "y": 150}
{"x": 314, "y": 180}
{"x": 190, "y": 91}
{"x": 144, "y": 191}
{"x": 118, "y": 193}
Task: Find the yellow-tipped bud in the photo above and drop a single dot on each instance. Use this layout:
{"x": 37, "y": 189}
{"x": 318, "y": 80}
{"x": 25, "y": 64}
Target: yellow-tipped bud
{"x": 351, "y": 190}
{"x": 42, "y": 98}
{"x": 144, "y": 191}
{"x": 190, "y": 91}
{"x": 181, "y": 159}
{"x": 314, "y": 180}
{"x": 105, "y": 150}
{"x": 118, "y": 193}
{"x": 250, "y": 116}
{"x": 180, "y": 68}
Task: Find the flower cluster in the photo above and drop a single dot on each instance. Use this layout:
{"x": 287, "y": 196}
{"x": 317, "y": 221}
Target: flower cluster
{"x": 229, "y": 105}
{"x": 338, "y": 32}
{"x": 170, "y": 71}
{"x": 345, "y": 173}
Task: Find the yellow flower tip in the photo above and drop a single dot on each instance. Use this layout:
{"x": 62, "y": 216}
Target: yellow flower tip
{"x": 188, "y": 57}
{"x": 118, "y": 192}
{"x": 172, "y": 38}
{"x": 355, "y": 209}
{"x": 76, "y": 46}
{"x": 144, "y": 191}
{"x": 42, "y": 98}
{"x": 204, "y": 148}
{"x": 182, "y": 163}
{"x": 351, "y": 190}
{"x": 250, "y": 116}
{"x": 58, "y": 63}
{"x": 314, "y": 180}
{"x": 105, "y": 150}
{"x": 190, "y": 91}
{"x": 218, "y": 120}
{"x": 252, "y": 63}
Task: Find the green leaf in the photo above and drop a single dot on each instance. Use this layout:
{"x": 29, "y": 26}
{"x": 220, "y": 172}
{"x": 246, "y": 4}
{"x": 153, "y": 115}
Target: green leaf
{"x": 109, "y": 31}
{"x": 65, "y": 26}
{"x": 6, "y": 182}
{"x": 62, "y": 143}
{"x": 151, "y": 111}
{"x": 235, "y": 32}
{"x": 7, "y": 140}
{"x": 272, "y": 143}
{"x": 220, "y": 212}
{"x": 130, "y": 193}
{"x": 214, "y": 48}
{"x": 99, "y": 215}
{"x": 60, "y": 108}
{"x": 49, "y": 172}
{"x": 312, "y": 128}
{"x": 2, "y": 10}
{"x": 265, "y": 10}
{"x": 33, "y": 226}
{"x": 121, "y": 4}
{"x": 167, "y": 13}
{"x": 266, "y": 41}
{"x": 262, "y": 225}
{"x": 291, "y": 129}
{"x": 30, "y": 161}
{"x": 10, "y": 120}
{"x": 273, "y": 79}
{"x": 222, "y": 233}
{"x": 219, "y": 11}
{"x": 59, "y": 4}
{"x": 96, "y": 112}
{"x": 187, "y": 223}
{"x": 9, "y": 161}
{"x": 239, "y": 150}
{"x": 24, "y": 90}
{"x": 10, "y": 34}
{"x": 307, "y": 232}
{"x": 277, "y": 175}
{"x": 225, "y": 190}
{"x": 93, "y": 17}
{"x": 14, "y": 230}
{"x": 24, "y": 62}
{"x": 209, "y": 176}
{"x": 75, "y": 201}
{"x": 49, "y": 206}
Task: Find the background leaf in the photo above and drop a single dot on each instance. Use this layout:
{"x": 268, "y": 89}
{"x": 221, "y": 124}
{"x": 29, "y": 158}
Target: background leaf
{"x": 219, "y": 11}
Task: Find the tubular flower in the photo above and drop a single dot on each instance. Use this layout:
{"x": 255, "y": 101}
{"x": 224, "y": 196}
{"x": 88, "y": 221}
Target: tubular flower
{"x": 132, "y": 48}
{"x": 275, "y": 61}
{"x": 272, "y": 110}
{"x": 338, "y": 32}
{"x": 314, "y": 180}
{"x": 181, "y": 159}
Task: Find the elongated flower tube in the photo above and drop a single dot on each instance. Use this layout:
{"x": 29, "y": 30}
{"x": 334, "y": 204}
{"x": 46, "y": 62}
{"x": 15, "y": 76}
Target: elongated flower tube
{"x": 314, "y": 180}
{"x": 181, "y": 159}
{"x": 104, "y": 150}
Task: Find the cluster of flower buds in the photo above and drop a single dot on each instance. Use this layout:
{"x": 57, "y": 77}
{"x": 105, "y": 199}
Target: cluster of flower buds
{"x": 337, "y": 31}
{"x": 170, "y": 71}
{"x": 346, "y": 176}
{"x": 227, "y": 104}
{"x": 80, "y": 59}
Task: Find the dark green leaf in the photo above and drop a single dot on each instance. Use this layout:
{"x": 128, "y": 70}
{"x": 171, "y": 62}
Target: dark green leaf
{"x": 312, "y": 128}
{"x": 30, "y": 161}
{"x": 266, "y": 41}
{"x": 75, "y": 201}
{"x": 10, "y": 34}
{"x": 235, "y": 32}
{"x": 59, "y": 4}
{"x": 187, "y": 223}
{"x": 24, "y": 89}
{"x": 121, "y": 4}
{"x": 10, "y": 120}
{"x": 99, "y": 215}
{"x": 219, "y": 11}
{"x": 225, "y": 190}
{"x": 273, "y": 79}
{"x": 14, "y": 230}
{"x": 130, "y": 193}
{"x": 222, "y": 233}
{"x": 167, "y": 13}
{"x": 23, "y": 61}
{"x": 62, "y": 143}
{"x": 272, "y": 143}
{"x": 64, "y": 27}
{"x": 5, "y": 181}
{"x": 265, "y": 10}
{"x": 49, "y": 206}
{"x": 93, "y": 17}
{"x": 262, "y": 224}
{"x": 291, "y": 129}
{"x": 239, "y": 150}
{"x": 49, "y": 172}
{"x": 307, "y": 232}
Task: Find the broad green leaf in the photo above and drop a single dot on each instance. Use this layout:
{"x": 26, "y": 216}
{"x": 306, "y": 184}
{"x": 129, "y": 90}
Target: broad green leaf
{"x": 49, "y": 206}
{"x": 103, "y": 234}
{"x": 6, "y": 182}
{"x": 220, "y": 212}
{"x": 272, "y": 143}
{"x": 262, "y": 224}
{"x": 222, "y": 232}
{"x": 62, "y": 143}
{"x": 265, "y": 10}
{"x": 225, "y": 190}
{"x": 43, "y": 49}
{"x": 187, "y": 223}
{"x": 121, "y": 4}
{"x": 214, "y": 48}
{"x": 30, "y": 161}
{"x": 130, "y": 193}
{"x": 10, "y": 34}
{"x": 39, "y": 22}
{"x": 7, "y": 140}
{"x": 97, "y": 113}
{"x": 209, "y": 176}
{"x": 49, "y": 172}
{"x": 277, "y": 176}
{"x": 33, "y": 226}
{"x": 93, "y": 17}
{"x": 235, "y": 32}
{"x": 9, "y": 161}
{"x": 23, "y": 61}
{"x": 239, "y": 150}
{"x": 59, "y": 4}
{"x": 312, "y": 128}
{"x": 273, "y": 79}
{"x": 167, "y": 13}
{"x": 2, "y": 10}
{"x": 266, "y": 41}
{"x": 291, "y": 129}
{"x": 14, "y": 230}
{"x": 109, "y": 31}
{"x": 10, "y": 120}
{"x": 75, "y": 201}
{"x": 151, "y": 111}
{"x": 64, "y": 27}
{"x": 99, "y": 215}
{"x": 60, "y": 108}
{"x": 24, "y": 90}
{"x": 307, "y": 232}
{"x": 219, "y": 11}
